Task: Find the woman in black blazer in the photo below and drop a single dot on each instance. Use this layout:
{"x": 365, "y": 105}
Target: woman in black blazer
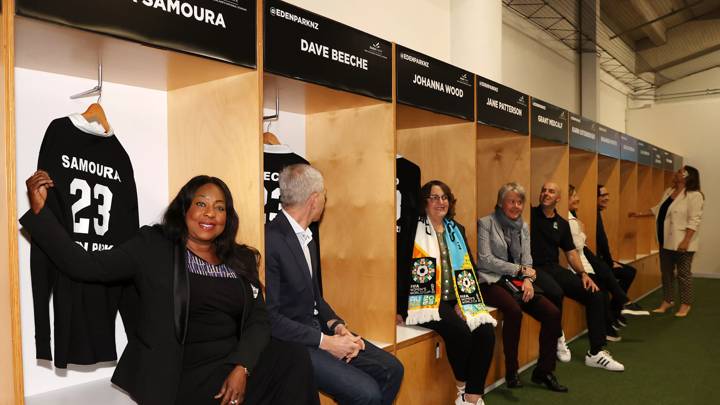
{"x": 203, "y": 334}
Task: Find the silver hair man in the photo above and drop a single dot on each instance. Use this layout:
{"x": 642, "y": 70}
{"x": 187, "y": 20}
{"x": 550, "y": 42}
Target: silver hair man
{"x": 298, "y": 182}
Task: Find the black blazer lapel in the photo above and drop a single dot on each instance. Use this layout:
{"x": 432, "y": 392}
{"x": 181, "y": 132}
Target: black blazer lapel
{"x": 181, "y": 292}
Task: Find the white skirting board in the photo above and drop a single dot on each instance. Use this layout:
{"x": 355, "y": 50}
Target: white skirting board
{"x": 95, "y": 392}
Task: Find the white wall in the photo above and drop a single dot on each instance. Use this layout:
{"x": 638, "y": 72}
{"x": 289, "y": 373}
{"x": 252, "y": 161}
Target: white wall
{"x": 690, "y": 127}
{"x": 138, "y": 117}
{"x": 612, "y": 102}
{"x": 531, "y": 67}
{"x": 421, "y": 25}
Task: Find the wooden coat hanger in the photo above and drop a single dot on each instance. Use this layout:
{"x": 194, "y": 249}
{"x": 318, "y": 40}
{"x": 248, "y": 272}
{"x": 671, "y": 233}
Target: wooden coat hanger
{"x": 95, "y": 112}
{"x": 268, "y": 137}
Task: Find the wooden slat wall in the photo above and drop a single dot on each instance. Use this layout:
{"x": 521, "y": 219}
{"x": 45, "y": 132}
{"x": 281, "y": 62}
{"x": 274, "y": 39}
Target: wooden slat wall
{"x": 354, "y": 149}
{"x": 502, "y": 157}
{"x": 629, "y": 201}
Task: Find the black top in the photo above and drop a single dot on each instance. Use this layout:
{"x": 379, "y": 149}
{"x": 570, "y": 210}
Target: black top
{"x": 407, "y": 186}
{"x": 661, "y": 219}
{"x": 216, "y": 301}
{"x": 95, "y": 201}
{"x": 403, "y": 280}
{"x": 151, "y": 365}
{"x": 547, "y": 235}
{"x": 601, "y": 240}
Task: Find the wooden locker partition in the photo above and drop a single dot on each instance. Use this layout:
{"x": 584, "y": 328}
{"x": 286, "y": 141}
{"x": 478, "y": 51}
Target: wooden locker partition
{"x": 628, "y": 198}
{"x": 658, "y": 187}
{"x": 645, "y": 200}
{"x": 609, "y": 176}
{"x": 444, "y": 148}
{"x": 349, "y": 138}
{"x": 583, "y": 174}
{"x": 549, "y": 162}
{"x": 502, "y": 157}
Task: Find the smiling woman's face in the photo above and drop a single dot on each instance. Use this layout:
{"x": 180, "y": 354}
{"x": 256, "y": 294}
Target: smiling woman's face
{"x": 205, "y": 219}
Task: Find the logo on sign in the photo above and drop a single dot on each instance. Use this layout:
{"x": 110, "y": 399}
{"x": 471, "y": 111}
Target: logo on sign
{"x": 376, "y": 49}
{"x": 276, "y": 12}
{"x": 522, "y": 101}
{"x": 464, "y": 79}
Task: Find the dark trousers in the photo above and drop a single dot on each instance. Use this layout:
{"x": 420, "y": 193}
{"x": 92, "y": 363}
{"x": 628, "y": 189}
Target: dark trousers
{"x": 469, "y": 353}
{"x": 671, "y": 260}
{"x": 606, "y": 279}
{"x": 557, "y": 282}
{"x": 625, "y": 276}
{"x": 371, "y": 378}
{"x": 539, "y": 308}
{"x": 283, "y": 375}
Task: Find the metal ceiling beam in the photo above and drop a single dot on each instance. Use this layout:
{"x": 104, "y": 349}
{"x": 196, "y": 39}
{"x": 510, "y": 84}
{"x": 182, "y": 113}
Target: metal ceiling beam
{"x": 656, "y": 31}
{"x": 654, "y": 20}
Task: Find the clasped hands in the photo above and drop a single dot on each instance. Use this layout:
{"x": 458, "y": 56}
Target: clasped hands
{"x": 343, "y": 345}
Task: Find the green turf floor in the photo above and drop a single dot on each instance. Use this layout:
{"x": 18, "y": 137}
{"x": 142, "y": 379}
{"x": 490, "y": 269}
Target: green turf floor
{"x": 667, "y": 360}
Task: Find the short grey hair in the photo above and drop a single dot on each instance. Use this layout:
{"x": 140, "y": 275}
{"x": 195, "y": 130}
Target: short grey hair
{"x": 510, "y": 187}
{"x": 298, "y": 182}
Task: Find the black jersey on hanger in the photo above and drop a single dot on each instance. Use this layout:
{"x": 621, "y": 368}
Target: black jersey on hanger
{"x": 407, "y": 197}
{"x": 96, "y": 201}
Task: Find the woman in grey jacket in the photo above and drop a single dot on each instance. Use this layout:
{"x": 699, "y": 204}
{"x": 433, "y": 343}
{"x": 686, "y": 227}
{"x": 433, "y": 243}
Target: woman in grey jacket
{"x": 505, "y": 264}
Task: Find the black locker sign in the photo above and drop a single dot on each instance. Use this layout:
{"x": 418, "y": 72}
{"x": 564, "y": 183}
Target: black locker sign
{"x": 218, "y": 29}
{"x": 668, "y": 162}
{"x": 549, "y": 122}
{"x": 309, "y": 47}
{"x": 657, "y": 158}
{"x": 628, "y": 148}
{"x": 583, "y": 133}
{"x": 501, "y": 106}
{"x": 645, "y": 156}
{"x": 608, "y": 142}
{"x": 428, "y": 83}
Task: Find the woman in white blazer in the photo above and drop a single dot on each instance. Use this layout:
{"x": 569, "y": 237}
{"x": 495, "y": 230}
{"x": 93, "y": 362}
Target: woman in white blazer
{"x": 678, "y": 216}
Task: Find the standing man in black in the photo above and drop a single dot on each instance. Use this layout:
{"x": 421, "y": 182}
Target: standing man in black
{"x": 550, "y": 232}
{"x": 347, "y": 367}
{"x": 623, "y": 273}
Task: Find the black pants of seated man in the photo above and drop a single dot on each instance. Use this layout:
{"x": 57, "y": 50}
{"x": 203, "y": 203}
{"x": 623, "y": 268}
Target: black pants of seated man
{"x": 557, "y": 282}
{"x": 605, "y": 279}
{"x": 469, "y": 352}
{"x": 371, "y": 378}
{"x": 540, "y": 308}
{"x": 283, "y": 375}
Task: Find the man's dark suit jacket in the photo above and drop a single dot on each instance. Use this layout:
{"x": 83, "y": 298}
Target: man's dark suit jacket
{"x": 151, "y": 365}
{"x": 291, "y": 294}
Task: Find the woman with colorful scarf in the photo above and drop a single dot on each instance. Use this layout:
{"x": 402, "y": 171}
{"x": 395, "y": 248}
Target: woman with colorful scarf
{"x": 505, "y": 265}
{"x": 444, "y": 294}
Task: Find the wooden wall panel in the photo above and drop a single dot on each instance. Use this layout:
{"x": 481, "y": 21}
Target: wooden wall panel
{"x": 502, "y": 157}
{"x": 11, "y": 370}
{"x": 628, "y": 229}
{"x": 428, "y": 380}
{"x": 549, "y": 162}
{"x": 658, "y": 187}
{"x": 355, "y": 150}
{"x": 446, "y": 153}
{"x": 214, "y": 129}
{"x": 669, "y": 179}
{"x": 609, "y": 175}
{"x": 645, "y": 200}
{"x": 583, "y": 174}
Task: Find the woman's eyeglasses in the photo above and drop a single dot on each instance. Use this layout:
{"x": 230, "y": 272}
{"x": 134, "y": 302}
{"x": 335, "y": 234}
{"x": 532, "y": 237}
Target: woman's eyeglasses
{"x": 437, "y": 198}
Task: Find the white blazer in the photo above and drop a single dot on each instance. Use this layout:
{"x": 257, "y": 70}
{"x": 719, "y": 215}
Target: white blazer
{"x": 684, "y": 213}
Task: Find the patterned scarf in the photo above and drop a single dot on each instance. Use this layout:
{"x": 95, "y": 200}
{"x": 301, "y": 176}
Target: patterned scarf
{"x": 424, "y": 298}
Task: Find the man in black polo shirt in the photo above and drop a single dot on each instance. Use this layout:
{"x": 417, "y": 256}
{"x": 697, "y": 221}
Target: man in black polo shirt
{"x": 550, "y": 232}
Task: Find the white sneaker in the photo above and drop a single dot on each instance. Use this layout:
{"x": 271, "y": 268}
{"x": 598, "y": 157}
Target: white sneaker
{"x": 603, "y": 359}
{"x": 460, "y": 400}
{"x": 563, "y": 351}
